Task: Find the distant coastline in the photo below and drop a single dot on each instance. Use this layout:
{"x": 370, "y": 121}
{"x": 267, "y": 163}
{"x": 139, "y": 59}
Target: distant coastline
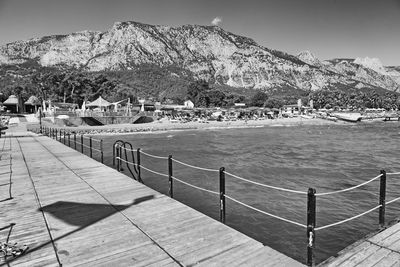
{"x": 165, "y": 126}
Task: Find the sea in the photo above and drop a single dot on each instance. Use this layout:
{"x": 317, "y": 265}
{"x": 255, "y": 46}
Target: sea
{"x": 324, "y": 157}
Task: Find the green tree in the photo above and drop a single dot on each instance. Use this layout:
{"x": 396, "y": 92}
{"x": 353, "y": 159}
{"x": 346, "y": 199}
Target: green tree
{"x": 258, "y": 99}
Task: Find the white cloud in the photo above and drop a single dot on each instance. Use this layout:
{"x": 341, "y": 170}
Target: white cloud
{"x": 216, "y": 21}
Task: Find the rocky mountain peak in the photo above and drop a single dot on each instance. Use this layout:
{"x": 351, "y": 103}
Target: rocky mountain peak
{"x": 371, "y": 63}
{"x": 209, "y": 52}
{"x": 308, "y": 57}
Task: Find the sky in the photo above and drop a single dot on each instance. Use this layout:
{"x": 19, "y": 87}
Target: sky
{"x": 326, "y": 28}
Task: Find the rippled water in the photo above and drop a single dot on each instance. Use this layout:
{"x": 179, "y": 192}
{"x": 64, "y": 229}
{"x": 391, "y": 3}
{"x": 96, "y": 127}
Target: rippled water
{"x": 323, "y": 157}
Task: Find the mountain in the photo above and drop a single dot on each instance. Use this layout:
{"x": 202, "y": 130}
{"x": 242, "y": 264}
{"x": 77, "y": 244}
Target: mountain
{"x": 209, "y": 52}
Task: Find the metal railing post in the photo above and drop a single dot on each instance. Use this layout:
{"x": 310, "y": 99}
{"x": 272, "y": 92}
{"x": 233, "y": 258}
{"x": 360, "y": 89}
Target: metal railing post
{"x": 90, "y": 145}
{"x": 82, "y": 143}
{"x": 56, "y": 133}
{"x": 101, "y": 151}
{"x": 119, "y": 158}
{"x": 138, "y": 165}
{"x": 75, "y": 140}
{"x": 69, "y": 139}
{"x": 170, "y": 182}
{"x": 114, "y": 152}
{"x": 222, "y": 194}
{"x": 64, "y": 141}
{"x": 382, "y": 199}
{"x": 311, "y": 220}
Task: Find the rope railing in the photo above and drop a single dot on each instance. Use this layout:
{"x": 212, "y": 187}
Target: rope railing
{"x": 311, "y": 194}
{"x": 392, "y": 173}
{"x": 194, "y": 186}
{"x": 349, "y": 188}
{"x": 127, "y": 162}
{"x": 152, "y": 156}
{"x": 265, "y": 185}
{"x": 72, "y": 140}
{"x": 125, "y": 148}
{"x": 266, "y": 213}
{"x": 393, "y": 200}
{"x": 195, "y": 167}
{"x": 347, "y": 220}
{"x": 149, "y": 170}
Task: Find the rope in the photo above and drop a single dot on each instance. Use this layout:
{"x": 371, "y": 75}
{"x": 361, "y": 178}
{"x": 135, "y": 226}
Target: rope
{"x": 127, "y": 149}
{"x": 266, "y": 213}
{"x": 350, "y": 188}
{"x": 393, "y": 200}
{"x": 195, "y": 167}
{"x": 200, "y": 188}
{"x": 134, "y": 164}
{"x": 264, "y": 185}
{"x": 159, "y": 173}
{"x": 392, "y": 173}
{"x": 152, "y": 156}
{"x": 98, "y": 150}
{"x": 348, "y": 219}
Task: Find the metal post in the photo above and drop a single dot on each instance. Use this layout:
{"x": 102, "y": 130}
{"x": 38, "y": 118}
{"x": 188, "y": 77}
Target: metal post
{"x": 90, "y": 145}
{"x": 311, "y": 220}
{"x": 114, "y": 152}
{"x": 170, "y": 191}
{"x": 222, "y": 194}
{"x": 119, "y": 158}
{"x": 64, "y": 141}
{"x": 75, "y": 140}
{"x": 382, "y": 199}
{"x": 138, "y": 165}
{"x": 82, "y": 143}
{"x": 56, "y": 134}
{"x": 69, "y": 139}
{"x": 101, "y": 151}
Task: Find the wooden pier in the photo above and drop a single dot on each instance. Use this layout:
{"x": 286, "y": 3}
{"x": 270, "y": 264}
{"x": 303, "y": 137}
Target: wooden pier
{"x": 382, "y": 249}
{"x": 74, "y": 211}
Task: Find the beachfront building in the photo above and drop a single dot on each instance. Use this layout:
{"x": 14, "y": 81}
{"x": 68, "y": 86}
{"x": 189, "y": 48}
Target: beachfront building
{"x": 32, "y": 104}
{"x": 13, "y": 104}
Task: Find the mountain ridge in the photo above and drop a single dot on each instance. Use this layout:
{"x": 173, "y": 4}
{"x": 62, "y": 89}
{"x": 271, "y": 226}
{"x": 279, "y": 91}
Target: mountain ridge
{"x": 209, "y": 52}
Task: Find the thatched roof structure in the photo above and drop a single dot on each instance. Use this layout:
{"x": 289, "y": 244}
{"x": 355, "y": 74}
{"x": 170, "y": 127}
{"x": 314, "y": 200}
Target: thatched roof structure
{"x": 11, "y": 100}
{"x": 33, "y": 101}
{"x": 99, "y": 102}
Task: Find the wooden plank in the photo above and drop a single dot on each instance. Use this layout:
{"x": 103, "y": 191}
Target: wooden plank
{"x": 100, "y": 217}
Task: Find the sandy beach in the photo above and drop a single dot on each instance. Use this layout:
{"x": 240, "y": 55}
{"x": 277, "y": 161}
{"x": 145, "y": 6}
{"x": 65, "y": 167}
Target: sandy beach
{"x": 171, "y": 126}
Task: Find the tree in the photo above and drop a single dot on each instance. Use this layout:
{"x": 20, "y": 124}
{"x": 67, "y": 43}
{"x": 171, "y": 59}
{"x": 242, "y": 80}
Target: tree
{"x": 196, "y": 91}
{"x": 258, "y": 99}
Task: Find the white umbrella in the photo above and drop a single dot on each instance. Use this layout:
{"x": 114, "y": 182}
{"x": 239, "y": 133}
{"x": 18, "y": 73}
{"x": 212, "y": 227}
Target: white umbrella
{"x": 44, "y": 105}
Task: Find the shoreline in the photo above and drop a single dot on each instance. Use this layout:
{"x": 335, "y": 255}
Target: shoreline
{"x": 166, "y": 126}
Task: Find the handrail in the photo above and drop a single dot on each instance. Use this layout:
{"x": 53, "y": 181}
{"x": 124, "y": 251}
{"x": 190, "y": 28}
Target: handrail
{"x": 152, "y": 156}
{"x": 349, "y": 188}
{"x": 155, "y": 172}
{"x": 392, "y": 173}
{"x": 265, "y": 185}
{"x": 266, "y": 213}
{"x": 131, "y": 150}
{"x": 348, "y": 219}
{"x": 194, "y": 186}
{"x": 64, "y": 135}
{"x": 393, "y": 200}
{"x": 195, "y": 167}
